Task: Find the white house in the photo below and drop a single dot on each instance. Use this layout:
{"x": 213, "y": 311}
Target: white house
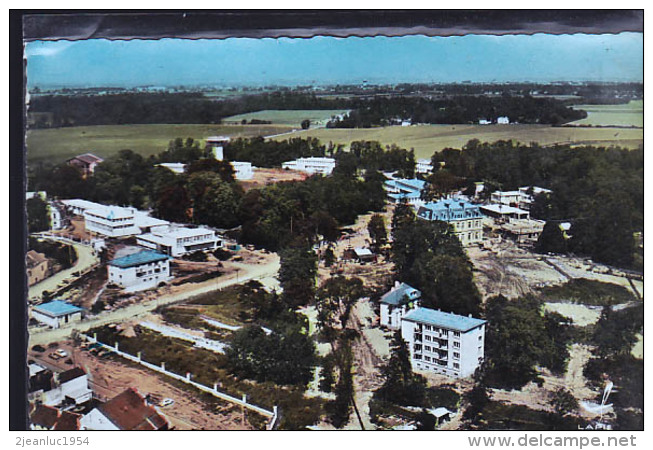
{"x": 509, "y": 198}
{"x": 504, "y": 212}
{"x": 179, "y": 241}
{"x": 174, "y": 167}
{"x": 465, "y": 218}
{"x": 423, "y": 166}
{"x": 57, "y": 313}
{"x": 72, "y": 389}
{"x": 408, "y": 190}
{"x": 217, "y": 144}
{"x": 243, "y": 170}
{"x": 128, "y": 411}
{"x": 444, "y": 343}
{"x": 503, "y": 120}
{"x": 312, "y": 165}
{"x": 396, "y": 303}
{"x": 138, "y": 271}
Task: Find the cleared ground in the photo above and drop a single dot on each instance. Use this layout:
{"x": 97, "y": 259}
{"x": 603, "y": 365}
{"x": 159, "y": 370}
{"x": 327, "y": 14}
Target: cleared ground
{"x": 630, "y": 114}
{"x": 427, "y": 139}
{"x": 289, "y": 117}
{"x": 58, "y": 144}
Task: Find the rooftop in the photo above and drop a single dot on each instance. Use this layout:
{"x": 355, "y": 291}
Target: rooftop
{"x": 137, "y": 259}
{"x": 88, "y": 158}
{"x": 57, "y": 308}
{"x": 400, "y": 295}
{"x": 129, "y": 411}
{"x": 33, "y": 258}
{"x": 111, "y": 212}
{"x": 503, "y": 209}
{"x": 449, "y": 209}
{"x": 71, "y": 374}
{"x": 407, "y": 183}
{"x": 441, "y": 319}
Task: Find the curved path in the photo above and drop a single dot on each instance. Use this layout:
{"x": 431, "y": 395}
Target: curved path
{"x": 245, "y": 273}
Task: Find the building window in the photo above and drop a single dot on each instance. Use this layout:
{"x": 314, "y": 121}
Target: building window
{"x": 427, "y": 348}
{"x": 456, "y": 355}
{"x": 456, "y": 345}
{"x": 456, "y": 334}
{"x": 427, "y": 358}
{"x": 480, "y": 338}
{"x": 427, "y": 337}
{"x": 456, "y": 366}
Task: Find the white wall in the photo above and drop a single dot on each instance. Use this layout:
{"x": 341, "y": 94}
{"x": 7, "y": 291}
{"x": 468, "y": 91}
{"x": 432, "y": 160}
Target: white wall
{"x": 128, "y": 279}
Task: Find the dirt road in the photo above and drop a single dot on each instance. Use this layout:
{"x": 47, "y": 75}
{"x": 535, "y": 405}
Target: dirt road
{"x": 245, "y": 273}
{"x": 85, "y": 259}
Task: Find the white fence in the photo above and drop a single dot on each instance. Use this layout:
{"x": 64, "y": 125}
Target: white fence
{"x": 273, "y": 415}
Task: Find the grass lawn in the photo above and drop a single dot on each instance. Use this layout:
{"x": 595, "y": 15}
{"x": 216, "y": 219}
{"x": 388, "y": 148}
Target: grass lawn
{"x": 288, "y": 117}
{"x": 58, "y": 144}
{"x": 630, "y": 114}
{"x": 588, "y": 292}
{"x": 427, "y": 139}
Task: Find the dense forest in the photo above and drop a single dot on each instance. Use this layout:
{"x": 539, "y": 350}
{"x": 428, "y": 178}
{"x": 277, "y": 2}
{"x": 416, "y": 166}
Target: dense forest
{"x": 367, "y": 111}
{"x": 599, "y": 190}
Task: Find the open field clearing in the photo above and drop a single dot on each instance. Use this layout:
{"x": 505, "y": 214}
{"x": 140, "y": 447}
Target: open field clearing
{"x": 426, "y": 139}
{"x": 288, "y": 117}
{"x": 58, "y": 144}
{"x": 630, "y": 114}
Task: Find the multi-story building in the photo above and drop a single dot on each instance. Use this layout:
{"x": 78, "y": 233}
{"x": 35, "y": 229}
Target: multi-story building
{"x": 395, "y": 303}
{"x": 111, "y": 221}
{"x": 139, "y": 271}
{"x": 408, "y": 190}
{"x": 179, "y": 241}
{"x": 465, "y": 218}
{"x": 312, "y": 165}
{"x": 423, "y": 166}
{"x": 444, "y": 343}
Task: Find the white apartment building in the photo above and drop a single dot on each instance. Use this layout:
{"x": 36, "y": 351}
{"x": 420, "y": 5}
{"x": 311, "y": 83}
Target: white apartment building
{"x": 139, "y": 271}
{"x": 423, "y": 166}
{"x": 444, "y": 343}
{"x": 465, "y": 218}
{"x": 395, "y": 303}
{"x": 111, "y": 221}
{"x": 313, "y": 165}
{"x": 509, "y": 198}
{"x": 179, "y": 241}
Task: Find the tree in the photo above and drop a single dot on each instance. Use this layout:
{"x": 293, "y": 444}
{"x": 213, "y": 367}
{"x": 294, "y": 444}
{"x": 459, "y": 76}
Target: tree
{"x": 297, "y": 275}
{"x": 215, "y": 202}
{"x": 551, "y": 240}
{"x": 400, "y": 384}
{"x": 563, "y": 402}
{"x": 376, "y": 229}
{"x": 306, "y": 123}
{"x": 335, "y": 298}
{"x": 283, "y": 359}
{"x": 329, "y": 257}
{"x": 38, "y": 217}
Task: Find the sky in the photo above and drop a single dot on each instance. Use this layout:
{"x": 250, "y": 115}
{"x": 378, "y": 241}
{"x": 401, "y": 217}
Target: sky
{"x": 329, "y": 60}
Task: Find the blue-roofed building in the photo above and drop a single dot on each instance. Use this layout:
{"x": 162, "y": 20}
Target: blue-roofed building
{"x": 138, "y": 271}
{"x": 465, "y": 218}
{"x": 408, "y": 190}
{"x": 444, "y": 343}
{"x": 57, "y": 313}
{"x": 395, "y": 303}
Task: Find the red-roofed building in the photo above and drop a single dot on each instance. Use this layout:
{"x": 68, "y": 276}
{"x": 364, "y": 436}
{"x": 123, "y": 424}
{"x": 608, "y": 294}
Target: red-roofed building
{"x": 45, "y": 417}
{"x": 127, "y": 411}
{"x": 86, "y": 162}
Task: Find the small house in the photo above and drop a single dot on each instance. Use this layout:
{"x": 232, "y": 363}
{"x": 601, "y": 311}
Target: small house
{"x": 38, "y": 267}
{"x": 396, "y": 302}
{"x": 86, "y": 163}
{"x": 57, "y": 313}
{"x": 128, "y": 411}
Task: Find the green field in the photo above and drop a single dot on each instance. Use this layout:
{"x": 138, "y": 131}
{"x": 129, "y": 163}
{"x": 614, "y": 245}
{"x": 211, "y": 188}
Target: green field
{"x": 630, "y": 114}
{"x": 426, "y": 139}
{"x": 58, "y": 144}
{"x": 289, "y": 117}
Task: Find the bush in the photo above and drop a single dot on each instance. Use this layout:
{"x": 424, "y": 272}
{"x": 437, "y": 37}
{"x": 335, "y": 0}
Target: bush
{"x": 222, "y": 254}
{"x": 38, "y": 348}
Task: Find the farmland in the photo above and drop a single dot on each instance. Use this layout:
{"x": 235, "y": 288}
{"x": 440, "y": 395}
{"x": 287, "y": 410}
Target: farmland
{"x": 426, "y": 139}
{"x": 288, "y": 117}
{"x": 58, "y": 144}
{"x": 630, "y": 114}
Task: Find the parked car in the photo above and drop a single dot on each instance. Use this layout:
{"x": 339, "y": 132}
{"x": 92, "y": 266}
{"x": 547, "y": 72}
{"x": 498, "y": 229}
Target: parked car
{"x": 166, "y": 402}
{"x": 61, "y": 353}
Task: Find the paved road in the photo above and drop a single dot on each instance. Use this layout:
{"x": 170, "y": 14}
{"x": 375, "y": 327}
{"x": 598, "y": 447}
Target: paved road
{"x": 85, "y": 259}
{"x": 245, "y": 273}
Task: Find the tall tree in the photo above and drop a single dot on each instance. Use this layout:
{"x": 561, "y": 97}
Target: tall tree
{"x": 376, "y": 229}
{"x": 38, "y": 217}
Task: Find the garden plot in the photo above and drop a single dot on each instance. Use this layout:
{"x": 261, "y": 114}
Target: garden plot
{"x": 581, "y": 315}
{"x": 198, "y": 341}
